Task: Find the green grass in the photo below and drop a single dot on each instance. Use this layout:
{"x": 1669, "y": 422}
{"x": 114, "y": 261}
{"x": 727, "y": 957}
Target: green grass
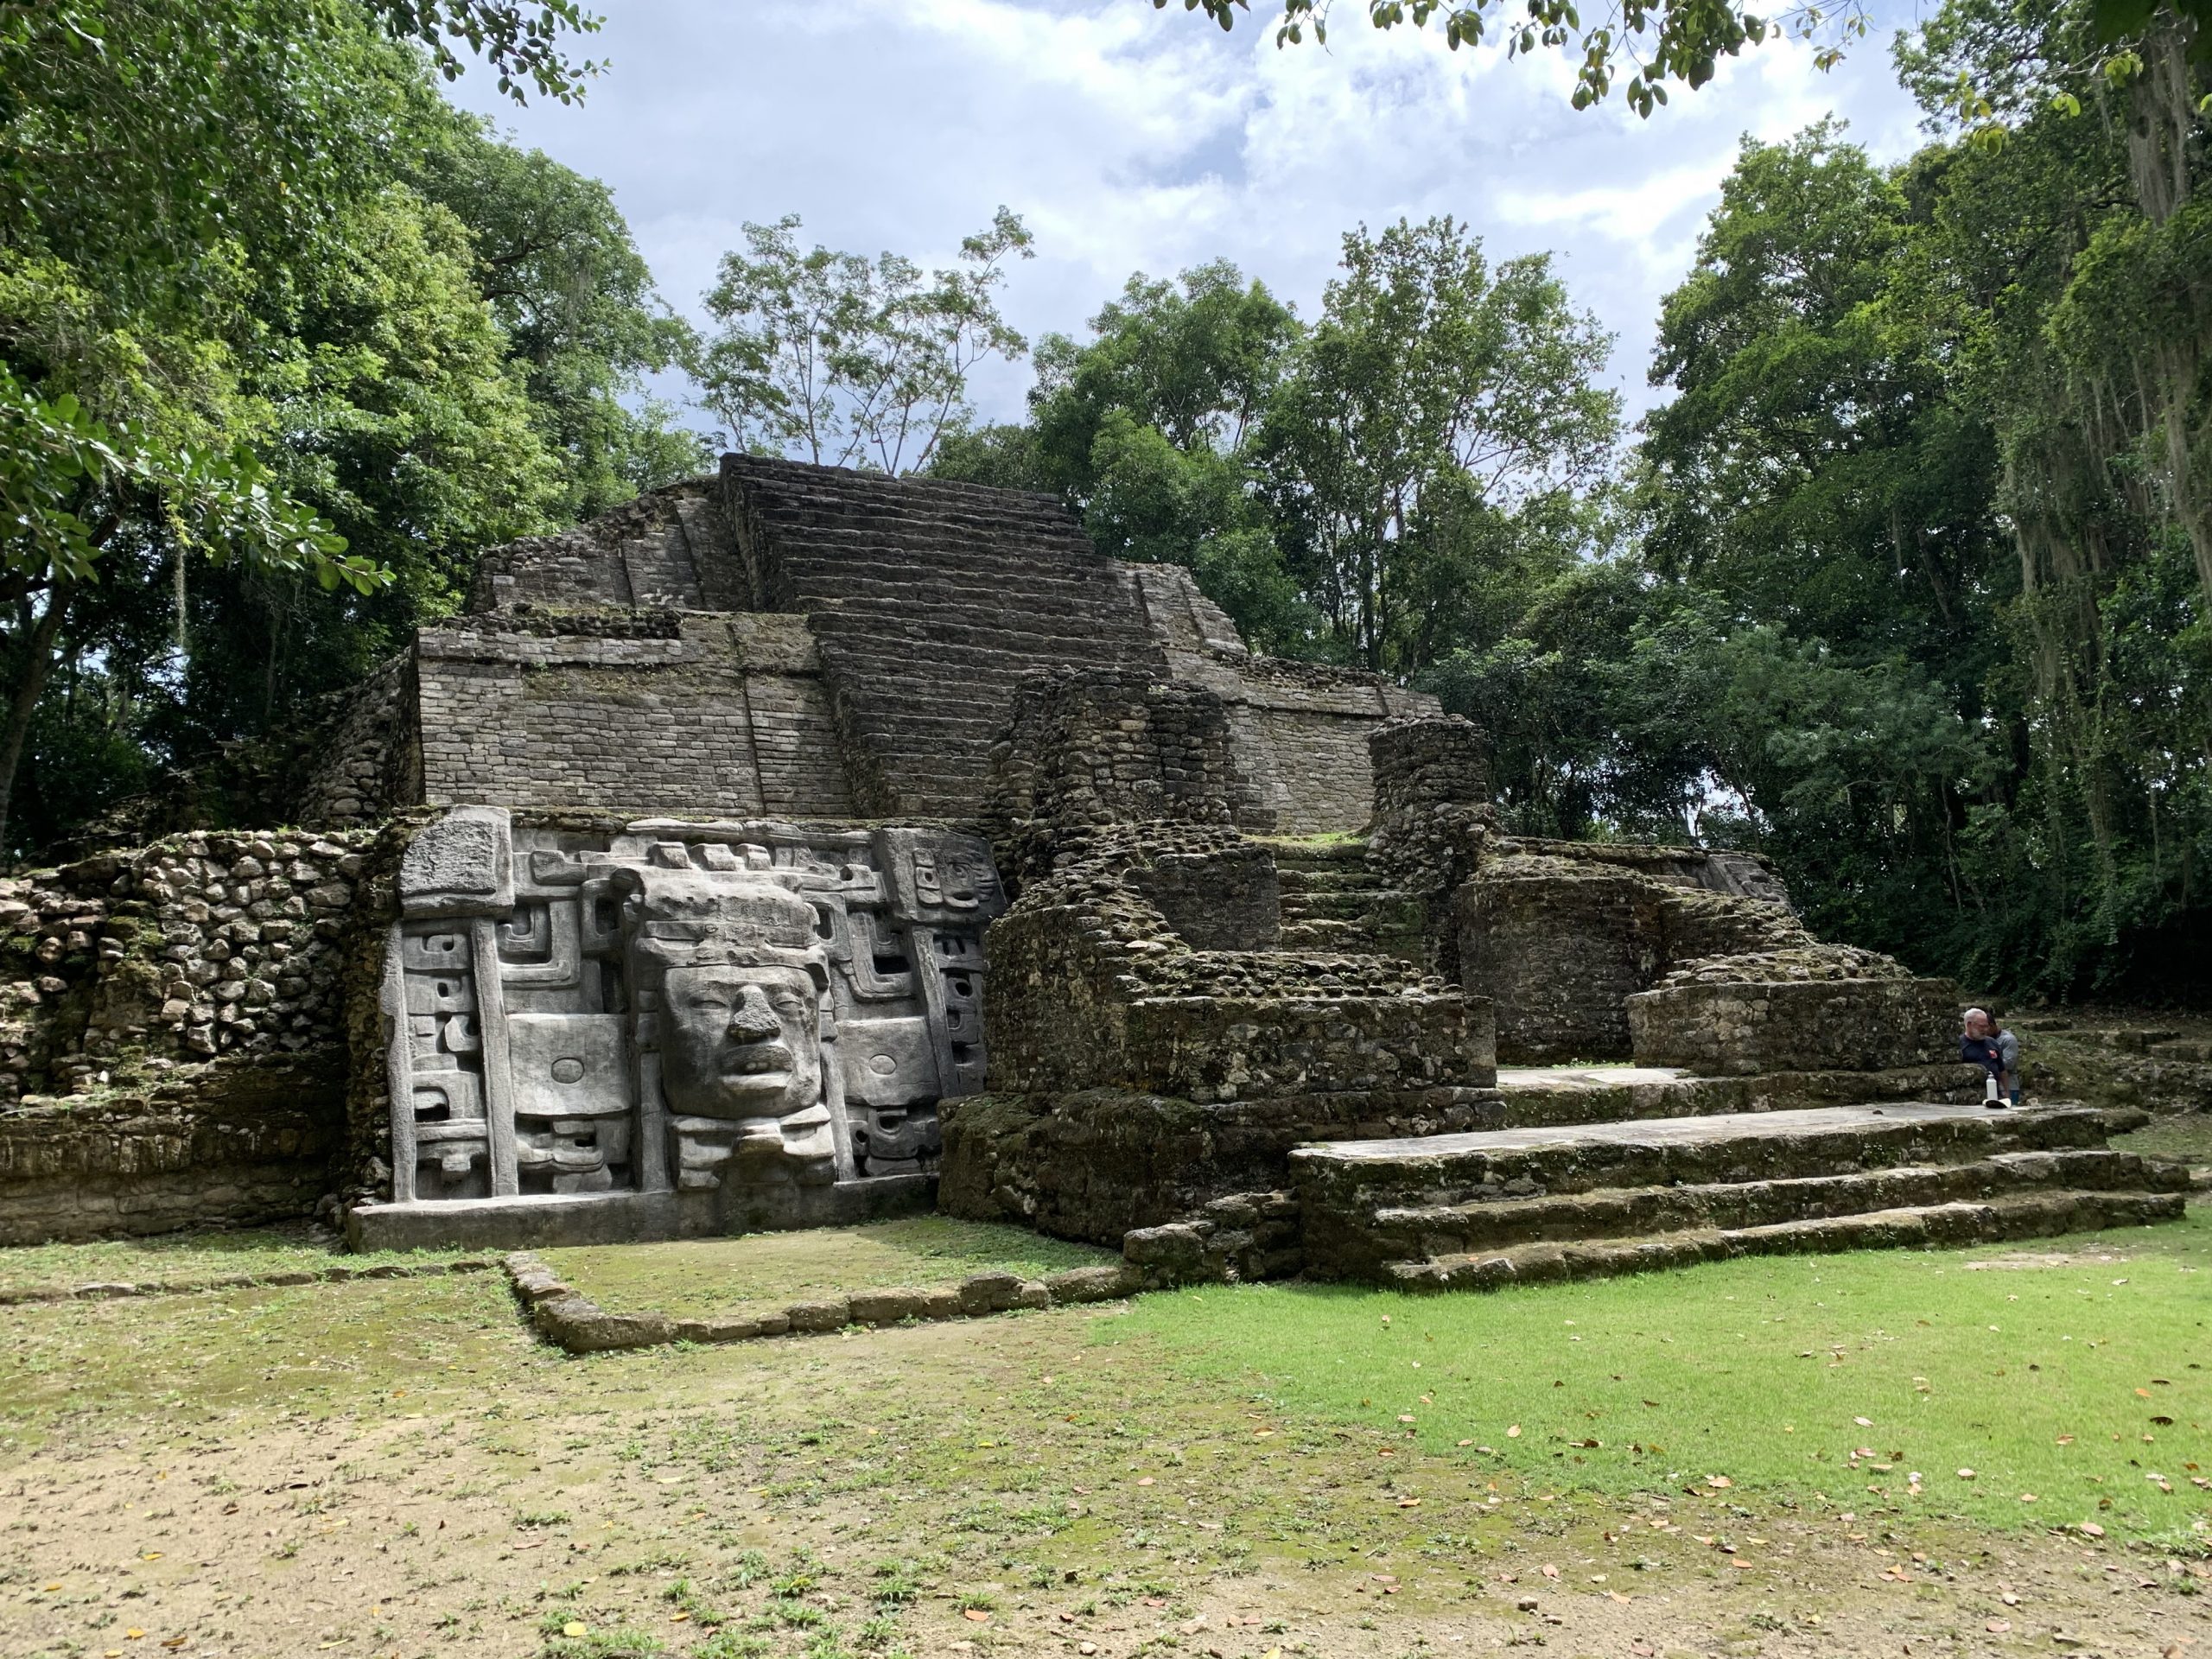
{"x": 2040, "y": 1378}
{"x": 401, "y": 1344}
{"x": 2186, "y": 1136}
{"x": 206, "y": 1253}
{"x": 700, "y": 1277}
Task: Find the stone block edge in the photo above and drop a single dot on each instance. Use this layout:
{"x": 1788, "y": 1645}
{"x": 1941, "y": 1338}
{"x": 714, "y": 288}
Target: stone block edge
{"x": 578, "y": 1326}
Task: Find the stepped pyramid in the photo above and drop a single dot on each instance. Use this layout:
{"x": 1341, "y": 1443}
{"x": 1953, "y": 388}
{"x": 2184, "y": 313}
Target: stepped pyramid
{"x": 818, "y": 644}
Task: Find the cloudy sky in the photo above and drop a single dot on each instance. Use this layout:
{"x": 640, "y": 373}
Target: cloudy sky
{"x": 1135, "y": 139}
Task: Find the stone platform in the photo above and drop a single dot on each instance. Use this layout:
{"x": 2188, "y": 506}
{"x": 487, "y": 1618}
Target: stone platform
{"x": 541, "y": 1220}
{"x": 1478, "y": 1210}
{"x": 1537, "y": 1095}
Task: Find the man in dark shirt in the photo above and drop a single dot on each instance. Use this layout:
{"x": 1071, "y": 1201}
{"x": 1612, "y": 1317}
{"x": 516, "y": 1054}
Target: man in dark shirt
{"x": 1978, "y": 1047}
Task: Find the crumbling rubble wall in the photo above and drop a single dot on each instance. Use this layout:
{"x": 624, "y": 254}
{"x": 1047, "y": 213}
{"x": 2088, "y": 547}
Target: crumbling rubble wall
{"x": 1301, "y": 729}
{"x": 1828, "y": 1007}
{"x": 172, "y": 1050}
{"x": 1560, "y": 933}
{"x": 1092, "y": 1164}
{"x": 1085, "y": 749}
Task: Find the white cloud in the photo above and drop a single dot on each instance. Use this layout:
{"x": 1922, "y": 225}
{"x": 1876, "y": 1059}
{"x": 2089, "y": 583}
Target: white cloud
{"x": 1131, "y": 139}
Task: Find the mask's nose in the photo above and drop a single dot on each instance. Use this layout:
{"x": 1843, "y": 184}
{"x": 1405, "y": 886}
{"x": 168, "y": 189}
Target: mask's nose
{"x": 753, "y": 1020}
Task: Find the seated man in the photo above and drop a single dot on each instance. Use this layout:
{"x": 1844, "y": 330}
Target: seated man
{"x": 1978, "y": 1047}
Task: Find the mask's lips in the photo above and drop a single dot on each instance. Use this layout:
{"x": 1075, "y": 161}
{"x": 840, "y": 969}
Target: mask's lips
{"x": 756, "y": 1059}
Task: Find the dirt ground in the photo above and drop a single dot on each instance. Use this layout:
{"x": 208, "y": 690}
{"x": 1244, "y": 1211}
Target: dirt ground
{"x": 395, "y": 1468}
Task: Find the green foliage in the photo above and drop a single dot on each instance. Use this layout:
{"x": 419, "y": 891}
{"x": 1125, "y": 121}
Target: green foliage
{"x": 248, "y": 311}
{"x": 844, "y": 362}
{"x": 575, "y": 299}
{"x": 1677, "y": 41}
{"x": 1148, "y": 429}
{"x": 1936, "y": 478}
{"x": 1381, "y": 488}
{"x": 1439, "y": 428}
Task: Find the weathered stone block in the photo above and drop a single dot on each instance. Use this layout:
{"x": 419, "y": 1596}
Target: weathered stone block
{"x": 829, "y": 1313}
{"x": 888, "y": 1306}
{"x": 989, "y": 1293}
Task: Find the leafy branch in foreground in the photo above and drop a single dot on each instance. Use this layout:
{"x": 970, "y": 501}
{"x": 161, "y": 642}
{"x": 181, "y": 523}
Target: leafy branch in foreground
{"x": 520, "y": 42}
{"x": 1654, "y": 40}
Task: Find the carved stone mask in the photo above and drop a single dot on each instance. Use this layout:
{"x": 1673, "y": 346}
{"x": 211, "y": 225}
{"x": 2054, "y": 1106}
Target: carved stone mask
{"x": 953, "y": 879}
{"x": 742, "y": 1042}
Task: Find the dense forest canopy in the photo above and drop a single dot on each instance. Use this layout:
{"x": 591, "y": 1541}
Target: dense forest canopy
{"x": 1903, "y": 581}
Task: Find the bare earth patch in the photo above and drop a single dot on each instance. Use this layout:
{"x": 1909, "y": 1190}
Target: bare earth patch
{"x": 394, "y": 1467}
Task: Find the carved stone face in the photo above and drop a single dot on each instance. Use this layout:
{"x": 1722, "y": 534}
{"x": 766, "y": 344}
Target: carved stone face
{"x": 740, "y": 1042}
{"x": 953, "y": 879}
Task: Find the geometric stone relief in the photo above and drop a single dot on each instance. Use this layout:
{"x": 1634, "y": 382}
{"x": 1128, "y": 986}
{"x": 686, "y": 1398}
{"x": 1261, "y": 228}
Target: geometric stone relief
{"x": 755, "y": 1006}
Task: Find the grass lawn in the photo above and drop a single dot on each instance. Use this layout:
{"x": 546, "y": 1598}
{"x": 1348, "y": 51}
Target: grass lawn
{"x": 2072, "y": 1370}
{"x": 696, "y": 1278}
{"x": 396, "y": 1466}
{"x": 205, "y": 1254}
{"x": 2184, "y": 1135}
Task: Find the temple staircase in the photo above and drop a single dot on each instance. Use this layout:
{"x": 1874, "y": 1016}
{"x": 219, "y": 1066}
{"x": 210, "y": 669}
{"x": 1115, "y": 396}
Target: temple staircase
{"x": 1332, "y": 902}
{"x": 1515, "y": 1205}
{"x": 929, "y": 602}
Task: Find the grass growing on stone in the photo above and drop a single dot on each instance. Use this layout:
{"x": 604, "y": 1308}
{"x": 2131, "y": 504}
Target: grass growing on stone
{"x": 699, "y": 1277}
{"x": 2185, "y": 1136}
{"x": 205, "y": 1254}
{"x": 2069, "y": 1368}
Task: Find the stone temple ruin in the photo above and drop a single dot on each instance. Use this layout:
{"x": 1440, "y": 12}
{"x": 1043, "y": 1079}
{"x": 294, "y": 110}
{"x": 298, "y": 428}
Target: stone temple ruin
{"x": 801, "y": 846}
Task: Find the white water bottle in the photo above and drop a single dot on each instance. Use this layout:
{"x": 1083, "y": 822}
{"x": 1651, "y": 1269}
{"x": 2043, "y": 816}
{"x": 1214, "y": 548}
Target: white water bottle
{"x": 1989, "y": 1088}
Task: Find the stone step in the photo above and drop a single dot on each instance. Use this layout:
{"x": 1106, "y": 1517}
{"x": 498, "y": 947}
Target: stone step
{"x": 887, "y": 511}
{"x": 1026, "y": 593}
{"x": 937, "y": 626}
{"x": 1539, "y": 1097}
{"x": 1325, "y": 934}
{"x": 866, "y": 564}
{"x": 970, "y": 649}
{"x": 2026, "y": 1214}
{"x": 1449, "y": 1229}
{"x": 1391, "y": 903}
{"x": 1351, "y": 1180}
{"x": 1316, "y": 855}
{"x": 1333, "y": 877}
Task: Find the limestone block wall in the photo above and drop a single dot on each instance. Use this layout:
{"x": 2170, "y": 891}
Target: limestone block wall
{"x": 1557, "y": 949}
{"x": 914, "y": 608}
{"x": 1559, "y": 934}
{"x": 928, "y": 602}
{"x": 1089, "y": 748}
{"x": 370, "y": 759}
{"x": 671, "y": 549}
{"x": 643, "y": 712}
{"x": 1095, "y": 1164}
{"x": 1301, "y": 728}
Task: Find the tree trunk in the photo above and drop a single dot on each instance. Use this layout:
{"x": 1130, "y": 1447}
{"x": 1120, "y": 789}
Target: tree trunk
{"x": 30, "y": 685}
